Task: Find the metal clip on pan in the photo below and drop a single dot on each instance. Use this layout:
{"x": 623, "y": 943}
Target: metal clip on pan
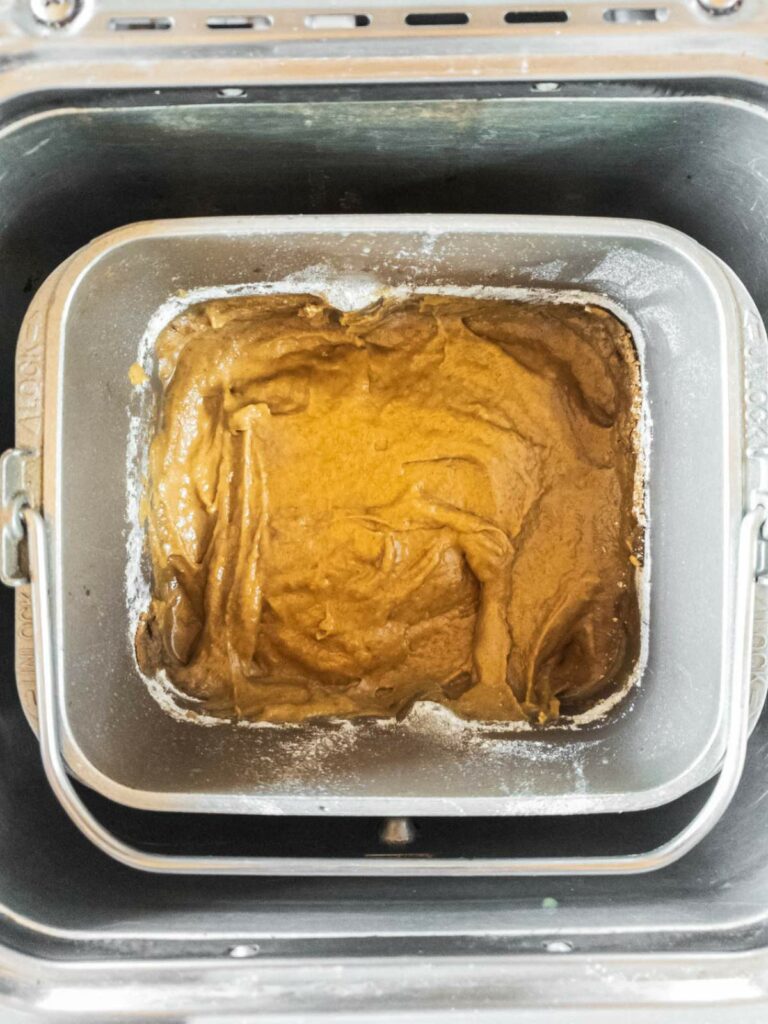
{"x": 48, "y": 700}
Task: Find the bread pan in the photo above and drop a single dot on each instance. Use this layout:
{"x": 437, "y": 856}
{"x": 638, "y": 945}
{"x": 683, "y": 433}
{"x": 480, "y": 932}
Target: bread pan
{"x": 702, "y": 351}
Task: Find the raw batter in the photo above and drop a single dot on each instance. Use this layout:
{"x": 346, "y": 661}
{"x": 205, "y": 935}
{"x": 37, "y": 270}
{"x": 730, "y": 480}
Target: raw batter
{"x": 430, "y": 499}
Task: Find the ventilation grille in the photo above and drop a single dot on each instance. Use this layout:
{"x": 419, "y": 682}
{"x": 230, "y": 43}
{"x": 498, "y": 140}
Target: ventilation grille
{"x": 233, "y": 22}
{"x": 327, "y": 23}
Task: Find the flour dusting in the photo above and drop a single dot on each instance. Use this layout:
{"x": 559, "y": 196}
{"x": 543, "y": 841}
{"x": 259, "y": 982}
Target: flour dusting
{"x": 431, "y": 721}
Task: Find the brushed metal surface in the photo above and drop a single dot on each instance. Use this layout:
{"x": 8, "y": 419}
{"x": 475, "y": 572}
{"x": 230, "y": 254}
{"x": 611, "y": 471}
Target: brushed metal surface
{"x": 689, "y": 327}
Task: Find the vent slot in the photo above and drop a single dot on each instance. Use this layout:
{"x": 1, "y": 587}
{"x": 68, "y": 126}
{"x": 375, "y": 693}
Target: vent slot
{"x": 140, "y": 24}
{"x": 424, "y": 20}
{"x": 535, "y": 17}
{"x": 234, "y": 22}
{"x": 336, "y": 22}
{"x": 635, "y": 15}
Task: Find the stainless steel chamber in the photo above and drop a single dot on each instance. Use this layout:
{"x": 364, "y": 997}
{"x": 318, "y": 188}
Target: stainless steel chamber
{"x": 704, "y": 361}
{"x": 689, "y": 152}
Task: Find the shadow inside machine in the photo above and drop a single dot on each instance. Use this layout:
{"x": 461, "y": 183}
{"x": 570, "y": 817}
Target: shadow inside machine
{"x": 329, "y": 836}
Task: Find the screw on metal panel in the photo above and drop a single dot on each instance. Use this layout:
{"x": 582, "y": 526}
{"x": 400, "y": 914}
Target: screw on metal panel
{"x": 243, "y": 951}
{"x": 55, "y": 13}
{"x": 558, "y": 946}
{"x": 397, "y": 832}
{"x": 720, "y": 6}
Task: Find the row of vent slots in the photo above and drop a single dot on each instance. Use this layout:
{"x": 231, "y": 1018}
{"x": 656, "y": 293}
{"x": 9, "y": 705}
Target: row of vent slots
{"x": 617, "y": 15}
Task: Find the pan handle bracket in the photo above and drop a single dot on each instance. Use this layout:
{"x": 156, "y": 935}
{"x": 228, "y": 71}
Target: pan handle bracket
{"x": 736, "y": 733}
{"x": 19, "y": 489}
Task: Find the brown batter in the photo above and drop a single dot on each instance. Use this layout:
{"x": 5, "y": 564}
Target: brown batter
{"x": 423, "y": 500}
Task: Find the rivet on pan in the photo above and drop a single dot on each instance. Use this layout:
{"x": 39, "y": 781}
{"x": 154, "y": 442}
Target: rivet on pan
{"x": 55, "y": 13}
{"x": 397, "y": 832}
{"x": 15, "y": 516}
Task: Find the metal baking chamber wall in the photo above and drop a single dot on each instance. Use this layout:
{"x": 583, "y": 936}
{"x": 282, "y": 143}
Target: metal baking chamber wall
{"x": 73, "y": 166}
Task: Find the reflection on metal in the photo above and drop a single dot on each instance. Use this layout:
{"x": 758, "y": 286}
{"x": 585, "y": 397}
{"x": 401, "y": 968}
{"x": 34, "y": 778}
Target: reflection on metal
{"x": 397, "y": 832}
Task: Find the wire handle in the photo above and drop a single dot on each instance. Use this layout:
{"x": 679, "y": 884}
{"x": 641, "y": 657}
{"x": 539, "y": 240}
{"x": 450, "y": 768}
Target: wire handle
{"x": 48, "y": 698}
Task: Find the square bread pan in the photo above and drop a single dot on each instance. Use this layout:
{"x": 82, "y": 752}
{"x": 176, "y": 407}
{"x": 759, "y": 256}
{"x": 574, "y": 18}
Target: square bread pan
{"x": 703, "y": 355}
